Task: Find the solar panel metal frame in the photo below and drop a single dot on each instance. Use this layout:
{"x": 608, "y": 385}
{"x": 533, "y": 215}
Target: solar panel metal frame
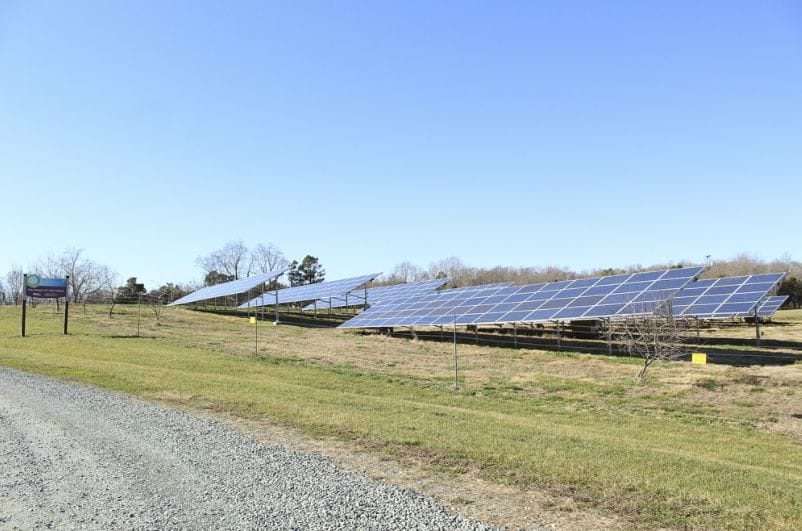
{"x": 725, "y": 297}
{"x": 376, "y": 295}
{"x": 613, "y": 297}
{"x": 233, "y": 287}
{"x": 770, "y": 306}
{"x": 310, "y": 292}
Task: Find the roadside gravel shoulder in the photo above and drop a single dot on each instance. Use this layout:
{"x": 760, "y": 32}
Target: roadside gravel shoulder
{"x": 77, "y": 456}
{"x": 465, "y": 492}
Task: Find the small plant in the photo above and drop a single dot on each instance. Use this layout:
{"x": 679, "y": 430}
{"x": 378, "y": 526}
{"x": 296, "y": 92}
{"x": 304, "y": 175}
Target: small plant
{"x": 710, "y": 384}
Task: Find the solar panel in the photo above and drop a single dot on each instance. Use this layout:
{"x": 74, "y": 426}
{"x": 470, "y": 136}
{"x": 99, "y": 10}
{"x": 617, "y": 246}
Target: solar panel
{"x": 770, "y": 306}
{"x": 233, "y": 287}
{"x": 311, "y": 292}
{"x": 589, "y": 298}
{"x": 724, "y": 297}
{"x": 377, "y": 295}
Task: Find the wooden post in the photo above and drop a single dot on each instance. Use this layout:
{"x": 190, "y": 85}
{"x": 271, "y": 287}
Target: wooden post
{"x": 24, "y": 301}
{"x": 67, "y": 304}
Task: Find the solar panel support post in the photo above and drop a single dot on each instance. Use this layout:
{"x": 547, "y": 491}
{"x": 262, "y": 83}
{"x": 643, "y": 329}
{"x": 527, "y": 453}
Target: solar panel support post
{"x": 315, "y": 303}
{"x": 757, "y": 327}
{"x": 255, "y": 327}
{"x": 609, "y": 337}
{"x": 515, "y": 335}
{"x": 456, "y": 369}
{"x": 276, "y": 292}
{"x": 559, "y": 341}
{"x": 329, "y": 305}
{"x": 698, "y": 335}
{"x": 139, "y": 314}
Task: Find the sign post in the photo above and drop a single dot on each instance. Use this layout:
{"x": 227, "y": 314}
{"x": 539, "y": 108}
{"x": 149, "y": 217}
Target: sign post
{"x": 66, "y": 304}
{"x": 24, "y": 300}
{"x": 44, "y": 288}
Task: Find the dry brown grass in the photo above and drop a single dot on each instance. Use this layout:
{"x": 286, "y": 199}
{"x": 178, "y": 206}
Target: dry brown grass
{"x": 764, "y": 397}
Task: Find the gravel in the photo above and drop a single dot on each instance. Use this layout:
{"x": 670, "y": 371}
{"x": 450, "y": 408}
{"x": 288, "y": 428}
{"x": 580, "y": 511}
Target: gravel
{"x": 73, "y": 456}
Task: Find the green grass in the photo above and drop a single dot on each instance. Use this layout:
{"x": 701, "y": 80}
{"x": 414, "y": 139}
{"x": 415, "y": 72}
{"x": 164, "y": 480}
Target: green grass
{"x": 652, "y": 468}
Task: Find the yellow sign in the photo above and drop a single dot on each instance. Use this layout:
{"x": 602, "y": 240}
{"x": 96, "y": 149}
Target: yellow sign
{"x": 252, "y": 320}
{"x": 699, "y": 358}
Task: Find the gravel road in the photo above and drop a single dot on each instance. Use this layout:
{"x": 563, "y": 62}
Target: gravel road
{"x": 73, "y": 456}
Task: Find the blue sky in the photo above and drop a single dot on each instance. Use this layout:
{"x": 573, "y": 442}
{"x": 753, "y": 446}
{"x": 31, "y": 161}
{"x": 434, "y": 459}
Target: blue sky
{"x": 577, "y": 134}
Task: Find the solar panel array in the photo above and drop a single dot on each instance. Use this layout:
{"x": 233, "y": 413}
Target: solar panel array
{"x": 588, "y": 298}
{"x": 770, "y": 306}
{"x": 402, "y": 298}
{"x": 311, "y": 292}
{"x": 377, "y": 295}
{"x": 226, "y": 289}
{"x": 724, "y": 297}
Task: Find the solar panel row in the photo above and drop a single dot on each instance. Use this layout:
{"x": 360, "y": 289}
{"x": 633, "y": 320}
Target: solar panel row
{"x": 377, "y": 295}
{"x": 597, "y": 297}
{"x": 310, "y": 292}
{"x": 724, "y": 297}
{"x": 225, "y": 289}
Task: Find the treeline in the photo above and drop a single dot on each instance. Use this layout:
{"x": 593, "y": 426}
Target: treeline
{"x": 91, "y": 281}
{"x": 236, "y": 260}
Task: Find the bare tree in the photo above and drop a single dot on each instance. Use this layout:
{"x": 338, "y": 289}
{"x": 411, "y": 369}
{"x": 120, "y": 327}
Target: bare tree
{"x": 233, "y": 259}
{"x": 157, "y": 302}
{"x": 408, "y": 272}
{"x": 268, "y": 257}
{"x": 14, "y": 280}
{"x": 87, "y": 277}
{"x": 51, "y": 266}
{"x": 652, "y": 336}
{"x": 451, "y": 267}
{"x": 100, "y": 285}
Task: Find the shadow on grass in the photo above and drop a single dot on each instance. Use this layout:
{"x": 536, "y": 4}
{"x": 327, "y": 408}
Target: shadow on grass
{"x": 735, "y": 357}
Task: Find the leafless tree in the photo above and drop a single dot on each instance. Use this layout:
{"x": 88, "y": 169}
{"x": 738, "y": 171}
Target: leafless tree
{"x": 408, "y": 272}
{"x": 101, "y": 284}
{"x": 652, "y": 336}
{"x": 14, "y": 280}
{"x": 157, "y": 302}
{"x": 451, "y": 267}
{"x": 267, "y": 257}
{"x": 87, "y": 277}
{"x": 233, "y": 259}
{"x": 51, "y": 266}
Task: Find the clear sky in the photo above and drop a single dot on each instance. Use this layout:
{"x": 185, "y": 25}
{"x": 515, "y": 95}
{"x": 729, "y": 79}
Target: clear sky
{"x": 578, "y": 134}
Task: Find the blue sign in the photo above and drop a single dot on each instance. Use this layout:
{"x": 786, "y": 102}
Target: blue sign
{"x": 45, "y": 288}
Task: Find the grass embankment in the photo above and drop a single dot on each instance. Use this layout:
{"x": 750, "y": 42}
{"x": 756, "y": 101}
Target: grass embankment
{"x": 690, "y": 447}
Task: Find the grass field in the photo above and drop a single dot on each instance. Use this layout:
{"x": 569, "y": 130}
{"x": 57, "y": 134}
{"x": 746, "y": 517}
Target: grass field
{"x": 691, "y": 446}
